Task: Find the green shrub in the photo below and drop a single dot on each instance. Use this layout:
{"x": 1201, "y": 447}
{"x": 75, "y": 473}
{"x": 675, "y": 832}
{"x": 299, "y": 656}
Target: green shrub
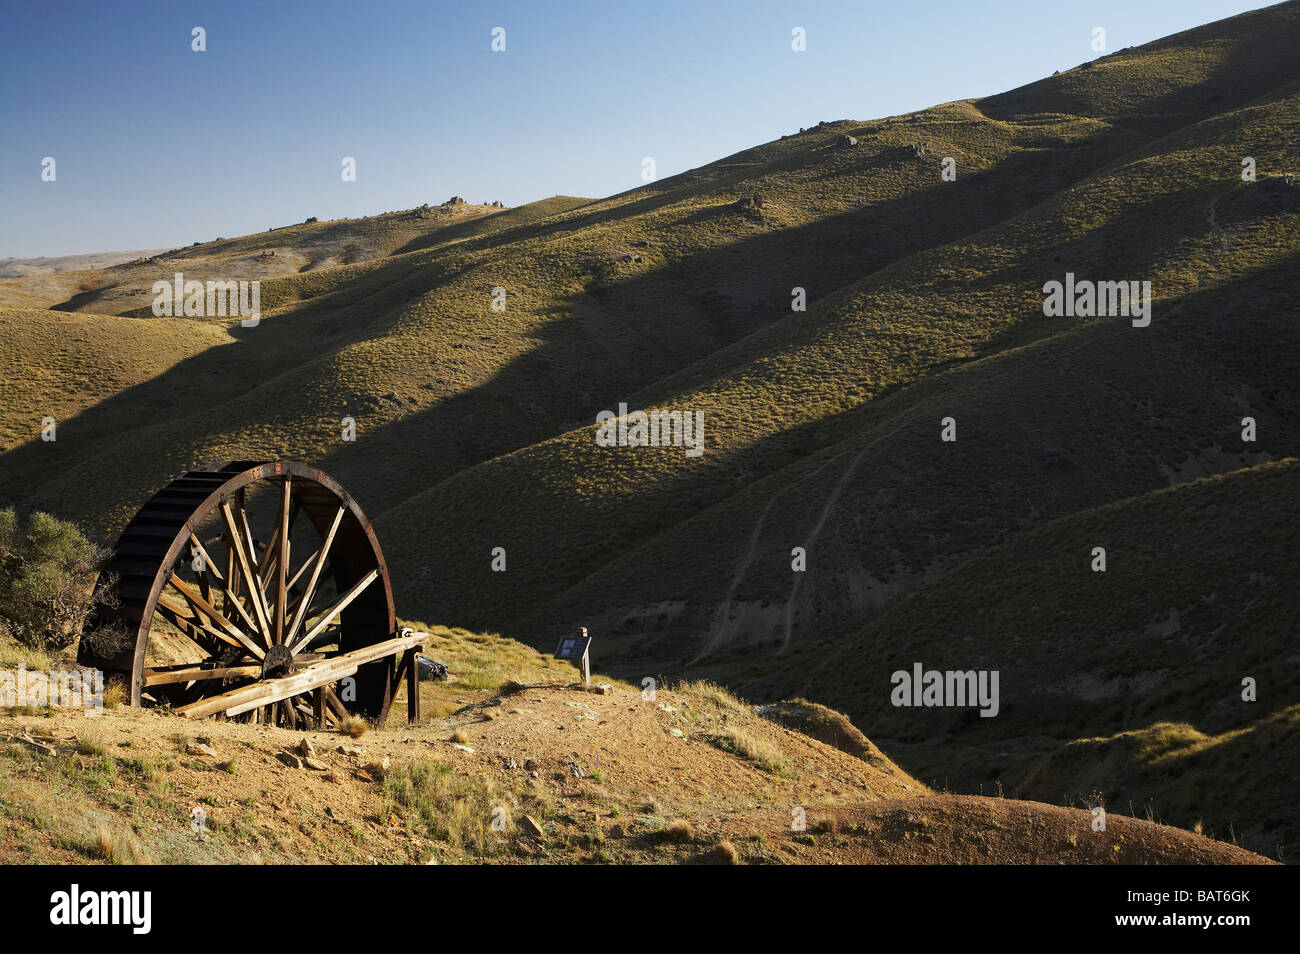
{"x": 47, "y": 580}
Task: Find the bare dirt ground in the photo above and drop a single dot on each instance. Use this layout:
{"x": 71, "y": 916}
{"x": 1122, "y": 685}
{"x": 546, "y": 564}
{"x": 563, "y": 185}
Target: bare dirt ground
{"x": 569, "y": 776}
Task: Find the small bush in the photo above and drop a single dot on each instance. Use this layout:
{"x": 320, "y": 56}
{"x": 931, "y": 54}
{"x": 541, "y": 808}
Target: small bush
{"x": 47, "y": 580}
{"x": 679, "y": 829}
{"x": 114, "y": 694}
{"x": 354, "y": 726}
{"x": 117, "y": 848}
{"x": 718, "y": 695}
{"x": 759, "y": 751}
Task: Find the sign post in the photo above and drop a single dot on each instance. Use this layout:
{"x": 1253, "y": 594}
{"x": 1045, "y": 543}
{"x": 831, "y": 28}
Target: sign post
{"x": 576, "y": 649}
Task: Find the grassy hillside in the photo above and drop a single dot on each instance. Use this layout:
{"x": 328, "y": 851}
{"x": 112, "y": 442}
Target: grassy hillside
{"x": 579, "y": 312}
{"x": 1197, "y": 595}
{"x": 1231, "y": 785}
{"x": 822, "y": 426}
{"x": 288, "y": 250}
{"x": 62, "y": 365}
{"x": 1054, "y": 415}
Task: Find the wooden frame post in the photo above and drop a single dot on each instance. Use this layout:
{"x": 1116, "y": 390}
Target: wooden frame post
{"x": 412, "y": 687}
{"x": 408, "y": 667}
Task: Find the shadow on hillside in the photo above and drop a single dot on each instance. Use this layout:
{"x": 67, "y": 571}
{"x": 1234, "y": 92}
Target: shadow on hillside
{"x": 157, "y": 412}
{"x": 1211, "y": 327}
{"x": 717, "y": 296}
{"x": 715, "y": 177}
{"x": 720, "y": 295}
{"x": 1262, "y": 60}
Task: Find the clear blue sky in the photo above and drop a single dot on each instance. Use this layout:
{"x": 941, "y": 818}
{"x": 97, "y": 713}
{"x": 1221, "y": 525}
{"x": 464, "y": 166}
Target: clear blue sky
{"x": 160, "y": 146}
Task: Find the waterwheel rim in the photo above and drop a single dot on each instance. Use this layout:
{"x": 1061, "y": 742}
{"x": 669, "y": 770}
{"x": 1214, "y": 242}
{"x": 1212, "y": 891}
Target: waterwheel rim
{"x": 197, "y": 573}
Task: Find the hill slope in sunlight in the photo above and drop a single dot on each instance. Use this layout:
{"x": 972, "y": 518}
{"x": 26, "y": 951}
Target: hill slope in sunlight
{"x": 549, "y": 774}
{"x": 828, "y": 532}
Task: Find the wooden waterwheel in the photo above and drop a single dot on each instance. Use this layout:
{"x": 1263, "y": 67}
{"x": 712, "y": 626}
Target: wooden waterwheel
{"x": 253, "y": 591}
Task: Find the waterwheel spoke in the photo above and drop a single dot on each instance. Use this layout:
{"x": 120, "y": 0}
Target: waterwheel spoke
{"x": 271, "y": 555}
{"x": 236, "y": 541}
{"x": 205, "y": 567}
{"x": 230, "y": 585}
{"x": 250, "y": 545}
{"x": 196, "y": 600}
{"x": 231, "y": 591}
{"x": 306, "y": 565}
{"x": 232, "y": 601}
{"x": 343, "y": 601}
{"x": 188, "y": 621}
{"x": 310, "y": 592}
{"x": 296, "y": 604}
{"x": 183, "y": 618}
{"x": 209, "y": 564}
{"x": 282, "y": 560}
{"x": 256, "y": 564}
